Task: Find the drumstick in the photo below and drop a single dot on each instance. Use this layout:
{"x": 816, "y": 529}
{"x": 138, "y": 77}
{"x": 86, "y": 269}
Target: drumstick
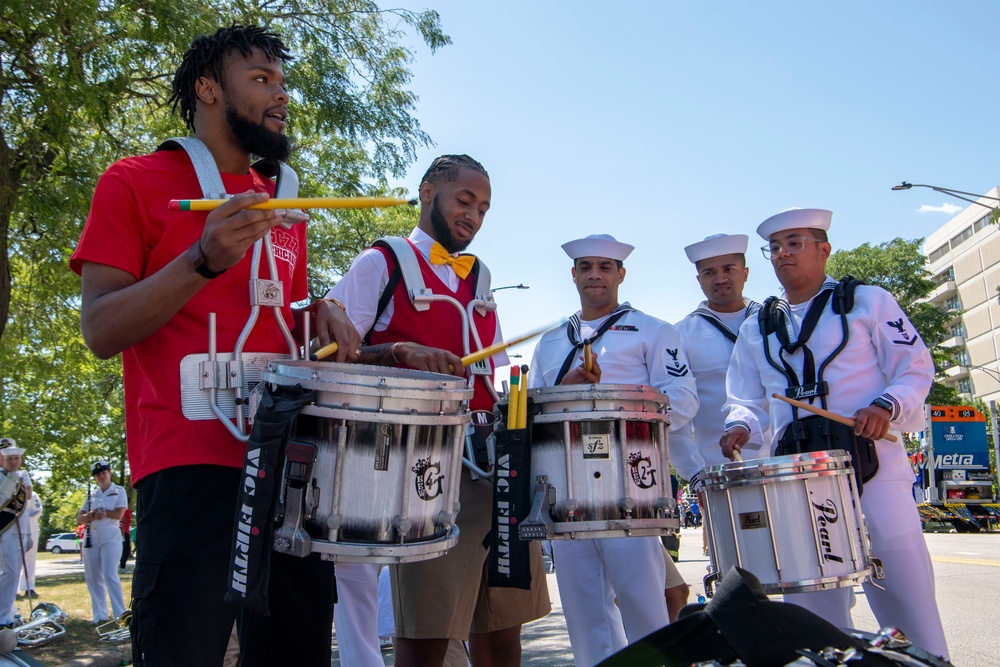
{"x": 325, "y": 351}
{"x": 488, "y": 352}
{"x": 588, "y": 358}
{"x": 513, "y": 399}
{"x": 294, "y": 202}
{"x": 832, "y": 416}
{"x": 737, "y": 456}
{"x": 522, "y": 399}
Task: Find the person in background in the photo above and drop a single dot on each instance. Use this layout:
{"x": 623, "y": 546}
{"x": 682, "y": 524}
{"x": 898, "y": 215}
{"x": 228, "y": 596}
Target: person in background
{"x": 126, "y": 527}
{"x": 16, "y": 540}
{"x": 102, "y": 512}
{"x": 34, "y": 512}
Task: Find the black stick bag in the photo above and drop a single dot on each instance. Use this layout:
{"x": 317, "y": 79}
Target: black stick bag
{"x": 509, "y": 557}
{"x": 250, "y": 560}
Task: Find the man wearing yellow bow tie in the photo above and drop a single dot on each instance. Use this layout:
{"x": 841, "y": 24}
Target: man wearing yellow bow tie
{"x": 444, "y": 598}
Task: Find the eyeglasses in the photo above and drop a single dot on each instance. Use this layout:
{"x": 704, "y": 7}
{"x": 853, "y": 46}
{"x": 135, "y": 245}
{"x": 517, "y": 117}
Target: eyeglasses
{"x": 792, "y": 246}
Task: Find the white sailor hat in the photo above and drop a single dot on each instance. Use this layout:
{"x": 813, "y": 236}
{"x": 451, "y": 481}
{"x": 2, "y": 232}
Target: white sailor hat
{"x": 716, "y": 246}
{"x": 10, "y": 447}
{"x": 795, "y": 218}
{"x": 99, "y": 466}
{"x": 598, "y": 245}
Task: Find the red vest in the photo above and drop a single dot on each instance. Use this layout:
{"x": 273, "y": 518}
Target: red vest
{"x": 441, "y": 325}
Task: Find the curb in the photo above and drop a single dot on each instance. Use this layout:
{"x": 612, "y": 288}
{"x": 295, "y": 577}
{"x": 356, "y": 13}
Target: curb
{"x": 112, "y": 657}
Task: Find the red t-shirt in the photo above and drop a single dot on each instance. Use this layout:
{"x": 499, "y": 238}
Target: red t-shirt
{"x": 131, "y": 228}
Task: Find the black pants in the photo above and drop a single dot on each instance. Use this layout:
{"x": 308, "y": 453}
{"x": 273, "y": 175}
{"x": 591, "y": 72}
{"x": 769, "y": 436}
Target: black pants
{"x": 179, "y": 614}
{"x": 126, "y": 550}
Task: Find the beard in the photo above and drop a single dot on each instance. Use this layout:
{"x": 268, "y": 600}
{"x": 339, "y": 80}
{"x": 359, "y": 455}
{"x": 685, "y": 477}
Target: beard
{"x": 442, "y": 231}
{"x": 255, "y": 138}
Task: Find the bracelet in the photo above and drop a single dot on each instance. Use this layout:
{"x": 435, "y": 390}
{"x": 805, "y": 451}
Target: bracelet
{"x": 332, "y": 300}
{"x": 392, "y": 353}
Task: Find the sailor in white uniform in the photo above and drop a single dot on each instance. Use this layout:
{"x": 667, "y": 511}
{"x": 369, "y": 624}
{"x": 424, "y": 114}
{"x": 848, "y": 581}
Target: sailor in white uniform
{"x": 861, "y": 358}
{"x": 709, "y": 334}
{"x": 629, "y": 347}
{"x": 17, "y": 538}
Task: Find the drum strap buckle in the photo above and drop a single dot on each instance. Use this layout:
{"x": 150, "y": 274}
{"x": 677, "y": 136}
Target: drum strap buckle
{"x": 296, "y": 502}
{"x": 538, "y": 524}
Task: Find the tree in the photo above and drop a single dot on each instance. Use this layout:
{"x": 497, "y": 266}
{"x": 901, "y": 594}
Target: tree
{"x": 83, "y": 83}
{"x": 899, "y": 267}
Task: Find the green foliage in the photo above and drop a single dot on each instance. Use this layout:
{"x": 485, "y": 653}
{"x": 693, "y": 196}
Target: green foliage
{"x": 899, "y": 267}
{"x": 84, "y": 83}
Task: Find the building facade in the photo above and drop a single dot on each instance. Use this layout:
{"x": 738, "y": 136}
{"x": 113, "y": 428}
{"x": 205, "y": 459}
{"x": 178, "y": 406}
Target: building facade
{"x": 963, "y": 257}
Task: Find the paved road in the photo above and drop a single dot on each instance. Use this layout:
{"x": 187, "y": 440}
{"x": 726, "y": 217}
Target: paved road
{"x": 968, "y": 593}
{"x": 967, "y": 572}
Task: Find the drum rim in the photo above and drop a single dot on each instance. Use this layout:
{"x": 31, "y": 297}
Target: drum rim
{"x": 789, "y": 464}
{"x": 559, "y": 393}
{"x": 601, "y": 415}
{"x": 407, "y": 375}
{"x": 461, "y": 418}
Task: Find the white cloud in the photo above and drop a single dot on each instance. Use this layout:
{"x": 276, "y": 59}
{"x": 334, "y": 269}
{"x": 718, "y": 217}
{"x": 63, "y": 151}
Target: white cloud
{"x": 950, "y": 209}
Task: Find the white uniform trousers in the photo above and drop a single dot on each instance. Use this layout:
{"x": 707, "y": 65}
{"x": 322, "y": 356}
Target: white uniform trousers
{"x": 10, "y": 573}
{"x": 355, "y": 616}
{"x": 100, "y": 571}
{"x": 590, "y": 574}
{"x": 908, "y": 601}
{"x": 30, "y": 559}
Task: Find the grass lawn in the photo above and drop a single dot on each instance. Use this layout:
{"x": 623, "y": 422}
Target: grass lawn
{"x": 69, "y": 593}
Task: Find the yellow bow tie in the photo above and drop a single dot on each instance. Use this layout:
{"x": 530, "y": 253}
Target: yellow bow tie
{"x": 462, "y": 264}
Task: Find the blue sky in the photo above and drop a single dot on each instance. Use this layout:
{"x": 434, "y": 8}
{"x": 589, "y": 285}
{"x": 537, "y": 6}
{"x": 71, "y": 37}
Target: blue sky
{"x": 663, "y": 122}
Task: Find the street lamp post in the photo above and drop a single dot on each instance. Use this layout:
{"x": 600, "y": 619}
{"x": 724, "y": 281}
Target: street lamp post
{"x": 518, "y": 286}
{"x": 957, "y": 194}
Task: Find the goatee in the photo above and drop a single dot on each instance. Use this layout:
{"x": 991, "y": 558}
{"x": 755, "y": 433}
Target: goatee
{"x": 255, "y": 138}
{"x": 442, "y": 232}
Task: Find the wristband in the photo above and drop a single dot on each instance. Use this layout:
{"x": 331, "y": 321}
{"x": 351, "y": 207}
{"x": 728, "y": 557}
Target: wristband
{"x": 197, "y": 260}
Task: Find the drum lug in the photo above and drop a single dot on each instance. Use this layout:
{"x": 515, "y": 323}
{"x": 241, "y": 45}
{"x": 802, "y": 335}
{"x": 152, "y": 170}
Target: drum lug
{"x": 626, "y": 505}
{"x": 291, "y": 538}
{"x": 402, "y": 524}
{"x": 538, "y": 524}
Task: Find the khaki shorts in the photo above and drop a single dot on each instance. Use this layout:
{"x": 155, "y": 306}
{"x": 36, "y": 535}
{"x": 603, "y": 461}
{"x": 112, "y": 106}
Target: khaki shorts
{"x": 674, "y": 578}
{"x": 447, "y": 597}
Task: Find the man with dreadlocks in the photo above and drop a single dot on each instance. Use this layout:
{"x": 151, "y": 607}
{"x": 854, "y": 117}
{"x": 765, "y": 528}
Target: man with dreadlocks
{"x": 150, "y": 278}
{"x": 445, "y": 598}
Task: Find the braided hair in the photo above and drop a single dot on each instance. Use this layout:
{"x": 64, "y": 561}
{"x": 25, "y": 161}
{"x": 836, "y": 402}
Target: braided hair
{"x": 208, "y": 54}
{"x": 446, "y": 168}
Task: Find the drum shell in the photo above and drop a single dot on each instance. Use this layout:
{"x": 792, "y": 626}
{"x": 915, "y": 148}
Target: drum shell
{"x": 794, "y": 521}
{"x": 604, "y": 449}
{"x": 389, "y": 445}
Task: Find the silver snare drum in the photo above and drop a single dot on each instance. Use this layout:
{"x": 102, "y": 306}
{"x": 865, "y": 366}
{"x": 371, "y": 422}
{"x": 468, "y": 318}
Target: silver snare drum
{"x": 372, "y": 471}
{"x": 794, "y": 521}
{"x": 600, "y": 458}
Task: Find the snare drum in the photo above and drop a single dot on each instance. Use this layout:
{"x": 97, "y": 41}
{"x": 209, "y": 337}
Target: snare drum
{"x": 794, "y": 521}
{"x": 599, "y": 457}
{"x": 372, "y": 470}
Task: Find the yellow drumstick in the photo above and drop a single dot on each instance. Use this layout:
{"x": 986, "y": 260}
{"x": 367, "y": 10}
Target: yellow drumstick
{"x": 522, "y": 399}
{"x": 588, "y": 358}
{"x": 488, "y": 352}
{"x": 325, "y": 351}
{"x": 832, "y": 416}
{"x": 514, "y": 398}
{"x": 295, "y": 202}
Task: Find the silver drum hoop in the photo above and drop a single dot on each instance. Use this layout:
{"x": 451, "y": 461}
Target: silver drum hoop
{"x": 374, "y": 389}
{"x": 776, "y": 469}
